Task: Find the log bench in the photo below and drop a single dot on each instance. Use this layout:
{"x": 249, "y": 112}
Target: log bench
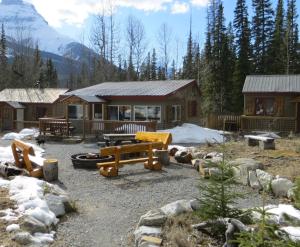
{"x": 164, "y": 137}
{"x": 110, "y": 169}
{"x": 25, "y": 158}
{"x": 263, "y": 142}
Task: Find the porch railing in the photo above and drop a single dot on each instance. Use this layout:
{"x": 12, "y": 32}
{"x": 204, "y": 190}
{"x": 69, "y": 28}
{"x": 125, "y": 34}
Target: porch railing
{"x": 265, "y": 123}
{"x": 54, "y": 126}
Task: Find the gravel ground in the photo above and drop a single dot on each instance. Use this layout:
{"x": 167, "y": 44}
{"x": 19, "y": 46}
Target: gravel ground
{"x": 109, "y": 209}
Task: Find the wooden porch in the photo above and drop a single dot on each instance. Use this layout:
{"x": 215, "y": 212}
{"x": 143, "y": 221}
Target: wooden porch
{"x": 268, "y": 123}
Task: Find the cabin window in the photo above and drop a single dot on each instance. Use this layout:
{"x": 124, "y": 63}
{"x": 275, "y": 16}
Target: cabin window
{"x": 97, "y": 111}
{"x": 41, "y": 112}
{"x": 192, "y": 108}
{"x": 265, "y": 106}
{"x": 119, "y": 112}
{"x": 76, "y": 111}
{"x": 176, "y": 113}
{"x": 143, "y": 113}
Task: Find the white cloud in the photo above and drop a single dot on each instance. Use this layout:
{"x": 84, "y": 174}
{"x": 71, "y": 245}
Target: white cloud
{"x": 200, "y": 3}
{"x": 75, "y": 12}
{"x": 180, "y": 8}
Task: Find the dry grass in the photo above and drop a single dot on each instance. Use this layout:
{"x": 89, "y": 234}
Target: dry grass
{"x": 284, "y": 161}
{"x": 177, "y": 232}
{"x": 5, "y": 202}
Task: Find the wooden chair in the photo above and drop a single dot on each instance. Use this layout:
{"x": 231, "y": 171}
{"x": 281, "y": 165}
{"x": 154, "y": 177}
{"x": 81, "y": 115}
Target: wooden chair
{"x": 164, "y": 137}
{"x": 24, "y": 156}
{"x": 110, "y": 169}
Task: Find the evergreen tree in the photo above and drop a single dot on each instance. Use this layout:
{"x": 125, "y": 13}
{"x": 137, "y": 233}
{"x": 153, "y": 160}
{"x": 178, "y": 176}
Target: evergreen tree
{"x": 277, "y": 47}
{"x": 173, "y": 70}
{"x": 196, "y": 62}
{"x": 243, "y": 51}
{"x": 291, "y": 40}
{"x": 262, "y": 28}
{"x": 3, "y": 60}
{"x": 153, "y": 76}
{"x": 187, "y": 68}
{"x": 131, "y": 74}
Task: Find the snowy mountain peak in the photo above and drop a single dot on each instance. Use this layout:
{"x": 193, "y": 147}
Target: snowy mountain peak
{"x": 12, "y": 2}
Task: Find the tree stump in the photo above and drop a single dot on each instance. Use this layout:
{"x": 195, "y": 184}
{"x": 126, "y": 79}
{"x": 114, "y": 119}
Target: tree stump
{"x": 163, "y": 156}
{"x": 50, "y": 170}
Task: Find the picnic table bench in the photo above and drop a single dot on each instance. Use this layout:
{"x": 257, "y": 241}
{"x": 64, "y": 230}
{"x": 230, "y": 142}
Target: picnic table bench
{"x": 261, "y": 141}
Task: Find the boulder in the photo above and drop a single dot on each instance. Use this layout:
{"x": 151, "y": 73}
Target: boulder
{"x": 291, "y": 193}
{"x": 55, "y": 204}
{"x": 199, "y": 154}
{"x": 146, "y": 231}
{"x": 153, "y": 218}
{"x": 281, "y": 186}
{"x": 264, "y": 179}
{"x": 22, "y": 238}
{"x": 213, "y": 155}
{"x": 214, "y": 171}
{"x": 196, "y": 163}
{"x": 13, "y": 228}
{"x": 183, "y": 157}
{"x": 244, "y": 165}
{"x": 253, "y": 180}
{"x": 195, "y": 204}
{"x": 33, "y": 225}
{"x": 177, "y": 207}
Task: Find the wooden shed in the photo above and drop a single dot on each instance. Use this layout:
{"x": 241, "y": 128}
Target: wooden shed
{"x": 271, "y": 102}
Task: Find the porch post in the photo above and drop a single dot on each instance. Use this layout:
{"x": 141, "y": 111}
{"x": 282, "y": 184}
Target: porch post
{"x": 83, "y": 123}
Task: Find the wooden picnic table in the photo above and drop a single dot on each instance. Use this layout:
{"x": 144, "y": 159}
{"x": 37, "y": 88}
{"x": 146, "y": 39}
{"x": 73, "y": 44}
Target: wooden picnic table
{"x": 117, "y": 139}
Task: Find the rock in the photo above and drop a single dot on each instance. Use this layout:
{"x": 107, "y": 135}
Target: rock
{"x": 213, "y": 155}
{"x": 13, "y": 228}
{"x": 183, "y": 157}
{"x": 56, "y": 190}
{"x": 199, "y": 154}
{"x": 153, "y": 218}
{"x": 146, "y": 231}
{"x": 177, "y": 207}
{"x": 281, "y": 186}
{"x": 291, "y": 193}
{"x": 264, "y": 179}
{"x": 195, "y": 204}
{"x": 196, "y": 163}
{"x": 244, "y": 165}
{"x": 68, "y": 204}
{"x": 33, "y": 225}
{"x": 214, "y": 171}
{"x": 55, "y": 204}
{"x": 22, "y": 238}
{"x": 253, "y": 180}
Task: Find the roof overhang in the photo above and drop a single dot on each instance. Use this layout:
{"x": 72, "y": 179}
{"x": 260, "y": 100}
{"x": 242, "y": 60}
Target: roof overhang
{"x": 82, "y": 99}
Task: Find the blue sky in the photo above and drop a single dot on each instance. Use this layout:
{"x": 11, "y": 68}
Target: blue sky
{"x": 75, "y": 17}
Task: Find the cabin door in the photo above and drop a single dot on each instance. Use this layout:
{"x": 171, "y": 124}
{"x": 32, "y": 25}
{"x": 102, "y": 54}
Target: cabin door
{"x": 7, "y": 116}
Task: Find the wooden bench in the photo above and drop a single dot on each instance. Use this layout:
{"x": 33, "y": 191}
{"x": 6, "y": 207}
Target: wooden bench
{"x": 164, "y": 137}
{"x": 110, "y": 169}
{"x": 261, "y": 141}
{"x": 24, "y": 156}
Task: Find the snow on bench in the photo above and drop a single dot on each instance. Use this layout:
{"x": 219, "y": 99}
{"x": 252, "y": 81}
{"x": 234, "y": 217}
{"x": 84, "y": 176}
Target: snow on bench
{"x": 36, "y": 160}
{"x": 262, "y": 141}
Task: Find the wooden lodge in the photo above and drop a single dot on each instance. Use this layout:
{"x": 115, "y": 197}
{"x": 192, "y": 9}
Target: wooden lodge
{"x": 20, "y": 107}
{"x": 271, "y": 103}
{"x": 132, "y": 106}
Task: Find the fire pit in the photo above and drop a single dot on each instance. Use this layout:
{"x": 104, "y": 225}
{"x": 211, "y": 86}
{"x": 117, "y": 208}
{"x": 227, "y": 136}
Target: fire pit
{"x": 88, "y": 160}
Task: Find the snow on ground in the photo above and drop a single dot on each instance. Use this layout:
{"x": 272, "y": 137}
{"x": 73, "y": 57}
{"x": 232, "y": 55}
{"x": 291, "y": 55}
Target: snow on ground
{"x": 191, "y": 133}
{"x": 24, "y": 133}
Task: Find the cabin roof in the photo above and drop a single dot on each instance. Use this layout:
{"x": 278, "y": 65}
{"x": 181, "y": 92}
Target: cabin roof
{"x": 272, "y": 84}
{"x": 31, "y": 95}
{"x": 133, "y": 88}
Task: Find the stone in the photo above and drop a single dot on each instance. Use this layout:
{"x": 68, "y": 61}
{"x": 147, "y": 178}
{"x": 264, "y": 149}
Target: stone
{"x": 146, "y": 231}
{"x": 213, "y": 155}
{"x": 56, "y": 190}
{"x": 177, "y": 207}
{"x": 33, "y": 225}
{"x": 281, "y": 186}
{"x": 68, "y": 204}
{"x": 195, "y": 204}
{"x": 214, "y": 171}
{"x": 153, "y": 218}
{"x": 291, "y": 193}
{"x": 196, "y": 163}
{"x": 199, "y": 154}
{"x": 253, "y": 180}
{"x": 264, "y": 179}
{"x": 22, "y": 238}
{"x": 183, "y": 157}
{"x": 244, "y": 165}
{"x": 55, "y": 204}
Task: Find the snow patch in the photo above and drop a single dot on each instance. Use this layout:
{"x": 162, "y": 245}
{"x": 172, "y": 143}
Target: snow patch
{"x": 24, "y": 133}
{"x": 191, "y": 133}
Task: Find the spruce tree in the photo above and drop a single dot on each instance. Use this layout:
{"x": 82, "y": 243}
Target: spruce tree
{"x": 291, "y": 40}
{"x": 262, "y": 28}
{"x": 3, "y": 60}
{"x": 173, "y": 70}
{"x": 187, "y": 68}
{"x": 153, "y": 76}
{"x": 277, "y": 47}
{"x": 243, "y": 51}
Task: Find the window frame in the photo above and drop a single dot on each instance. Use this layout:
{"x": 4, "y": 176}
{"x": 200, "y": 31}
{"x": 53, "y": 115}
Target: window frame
{"x": 176, "y": 119}
{"x": 262, "y": 101}
{"x": 93, "y": 111}
{"x": 82, "y": 106}
{"x": 119, "y": 111}
{"x": 147, "y": 118}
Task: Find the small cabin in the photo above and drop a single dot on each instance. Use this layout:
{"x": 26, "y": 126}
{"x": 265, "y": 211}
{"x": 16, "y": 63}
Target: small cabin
{"x": 271, "y": 103}
{"x": 22, "y": 107}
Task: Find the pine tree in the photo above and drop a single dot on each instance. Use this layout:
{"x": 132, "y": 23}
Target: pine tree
{"x": 3, "y": 60}
{"x": 277, "y": 47}
{"x": 153, "y": 66}
{"x": 131, "y": 74}
{"x": 187, "y": 68}
{"x": 173, "y": 70}
{"x": 291, "y": 40}
{"x": 243, "y": 50}
{"x": 262, "y": 27}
